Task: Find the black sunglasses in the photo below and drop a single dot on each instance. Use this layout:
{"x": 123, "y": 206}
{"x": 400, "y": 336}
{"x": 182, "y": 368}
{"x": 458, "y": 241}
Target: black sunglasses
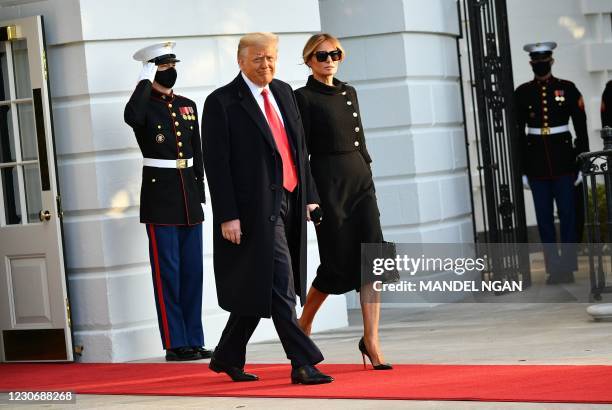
{"x": 322, "y": 55}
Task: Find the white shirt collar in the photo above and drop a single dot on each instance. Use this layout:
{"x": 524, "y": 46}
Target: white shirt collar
{"x": 255, "y": 89}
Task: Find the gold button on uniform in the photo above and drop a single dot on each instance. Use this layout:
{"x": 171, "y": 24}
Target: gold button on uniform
{"x": 178, "y": 133}
{"x": 546, "y": 124}
{"x": 546, "y": 117}
{"x": 543, "y": 87}
{"x": 174, "y": 114}
{"x": 180, "y": 155}
{"x": 544, "y": 102}
{"x": 153, "y": 180}
{"x": 169, "y": 105}
{"x": 159, "y": 127}
{"x": 543, "y": 94}
{"x": 343, "y": 92}
{"x": 191, "y": 127}
{"x": 356, "y": 143}
{"x": 180, "y": 144}
{"x": 354, "y": 114}
{"x": 545, "y": 109}
{"x": 176, "y": 123}
{"x": 349, "y": 103}
{"x": 356, "y": 129}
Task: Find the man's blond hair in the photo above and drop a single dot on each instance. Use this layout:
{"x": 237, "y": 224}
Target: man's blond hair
{"x": 260, "y": 39}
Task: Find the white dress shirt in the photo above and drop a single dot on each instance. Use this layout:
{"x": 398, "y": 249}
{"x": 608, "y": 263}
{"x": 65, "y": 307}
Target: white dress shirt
{"x": 256, "y": 90}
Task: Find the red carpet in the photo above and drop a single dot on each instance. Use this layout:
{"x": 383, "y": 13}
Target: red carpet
{"x": 525, "y": 383}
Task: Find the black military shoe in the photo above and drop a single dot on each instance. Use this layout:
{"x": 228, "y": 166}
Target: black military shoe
{"x": 309, "y": 375}
{"x": 237, "y": 374}
{"x": 181, "y": 354}
{"x": 560, "y": 278}
{"x": 203, "y": 352}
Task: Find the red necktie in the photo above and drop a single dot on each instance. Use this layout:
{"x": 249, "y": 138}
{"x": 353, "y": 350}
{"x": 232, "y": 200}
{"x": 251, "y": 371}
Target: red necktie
{"x": 282, "y": 143}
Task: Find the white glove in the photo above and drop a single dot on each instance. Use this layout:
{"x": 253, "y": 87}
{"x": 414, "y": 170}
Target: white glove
{"x": 148, "y": 72}
{"x": 578, "y": 180}
{"x": 526, "y": 182}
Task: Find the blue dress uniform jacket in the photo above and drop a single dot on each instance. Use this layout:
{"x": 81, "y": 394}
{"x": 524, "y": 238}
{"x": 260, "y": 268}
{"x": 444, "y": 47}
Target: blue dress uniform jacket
{"x": 166, "y": 127}
{"x": 606, "y": 106}
{"x": 545, "y": 105}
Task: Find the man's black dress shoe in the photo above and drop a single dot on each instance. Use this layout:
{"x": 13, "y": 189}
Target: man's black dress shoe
{"x": 203, "y": 352}
{"x": 237, "y": 374}
{"x": 181, "y": 354}
{"x": 309, "y": 375}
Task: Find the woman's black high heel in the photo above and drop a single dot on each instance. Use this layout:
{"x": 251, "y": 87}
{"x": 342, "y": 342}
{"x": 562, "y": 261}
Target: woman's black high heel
{"x": 364, "y": 353}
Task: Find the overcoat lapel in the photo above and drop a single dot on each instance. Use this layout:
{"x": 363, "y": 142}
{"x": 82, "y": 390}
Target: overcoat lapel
{"x": 283, "y": 102}
{"x": 250, "y": 105}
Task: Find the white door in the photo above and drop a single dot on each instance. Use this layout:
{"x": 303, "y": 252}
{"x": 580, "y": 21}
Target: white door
{"x": 34, "y": 307}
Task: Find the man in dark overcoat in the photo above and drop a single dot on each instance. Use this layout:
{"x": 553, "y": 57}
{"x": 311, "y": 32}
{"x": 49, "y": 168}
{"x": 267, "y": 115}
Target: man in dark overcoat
{"x": 262, "y": 194}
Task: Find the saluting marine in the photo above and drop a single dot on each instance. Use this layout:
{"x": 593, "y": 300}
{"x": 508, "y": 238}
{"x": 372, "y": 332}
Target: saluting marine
{"x": 172, "y": 191}
{"x": 548, "y": 156}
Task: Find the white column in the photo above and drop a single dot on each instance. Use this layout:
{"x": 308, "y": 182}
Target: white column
{"x": 402, "y": 59}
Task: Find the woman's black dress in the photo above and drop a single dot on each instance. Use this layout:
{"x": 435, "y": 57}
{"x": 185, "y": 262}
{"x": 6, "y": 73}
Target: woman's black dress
{"x": 339, "y": 163}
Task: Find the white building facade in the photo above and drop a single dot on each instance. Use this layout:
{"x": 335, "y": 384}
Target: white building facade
{"x": 402, "y": 59}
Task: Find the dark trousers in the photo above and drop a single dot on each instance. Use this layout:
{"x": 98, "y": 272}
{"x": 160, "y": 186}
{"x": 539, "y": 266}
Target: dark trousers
{"x": 560, "y": 191}
{"x": 299, "y": 348}
{"x": 176, "y": 262}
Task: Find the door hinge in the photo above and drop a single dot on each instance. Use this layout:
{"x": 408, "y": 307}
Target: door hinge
{"x": 44, "y": 64}
{"x": 60, "y": 211}
{"x": 68, "y": 313}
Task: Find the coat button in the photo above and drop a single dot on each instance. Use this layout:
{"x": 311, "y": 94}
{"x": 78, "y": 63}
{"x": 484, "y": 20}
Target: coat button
{"x": 174, "y": 114}
{"x": 176, "y": 123}
{"x": 272, "y": 218}
{"x": 357, "y": 129}
{"x": 273, "y": 187}
{"x": 153, "y": 180}
{"x": 355, "y": 114}
{"x": 343, "y": 92}
{"x": 180, "y": 144}
{"x": 180, "y": 155}
{"x": 356, "y": 143}
{"x": 178, "y": 133}
{"x": 349, "y": 103}
{"x": 169, "y": 105}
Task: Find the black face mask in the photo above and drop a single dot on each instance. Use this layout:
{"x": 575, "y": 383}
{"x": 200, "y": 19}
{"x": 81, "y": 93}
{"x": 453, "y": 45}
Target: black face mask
{"x": 541, "y": 68}
{"x": 166, "y": 78}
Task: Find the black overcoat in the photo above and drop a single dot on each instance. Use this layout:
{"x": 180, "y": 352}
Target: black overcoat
{"x": 244, "y": 173}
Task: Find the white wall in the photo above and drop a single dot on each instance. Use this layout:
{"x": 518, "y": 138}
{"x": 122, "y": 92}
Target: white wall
{"x": 402, "y": 59}
{"x": 92, "y": 74}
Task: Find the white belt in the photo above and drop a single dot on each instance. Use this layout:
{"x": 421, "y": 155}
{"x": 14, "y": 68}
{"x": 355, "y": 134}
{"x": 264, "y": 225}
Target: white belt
{"x": 168, "y": 163}
{"x": 547, "y": 130}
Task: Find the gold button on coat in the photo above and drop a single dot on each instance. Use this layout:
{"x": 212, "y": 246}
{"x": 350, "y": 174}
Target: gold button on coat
{"x": 178, "y": 133}
{"x": 180, "y": 154}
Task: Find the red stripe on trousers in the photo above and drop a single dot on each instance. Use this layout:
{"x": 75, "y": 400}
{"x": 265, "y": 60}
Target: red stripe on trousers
{"x": 160, "y": 292}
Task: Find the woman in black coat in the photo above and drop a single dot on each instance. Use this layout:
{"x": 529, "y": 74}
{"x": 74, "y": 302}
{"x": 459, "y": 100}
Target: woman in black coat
{"x": 340, "y": 166}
